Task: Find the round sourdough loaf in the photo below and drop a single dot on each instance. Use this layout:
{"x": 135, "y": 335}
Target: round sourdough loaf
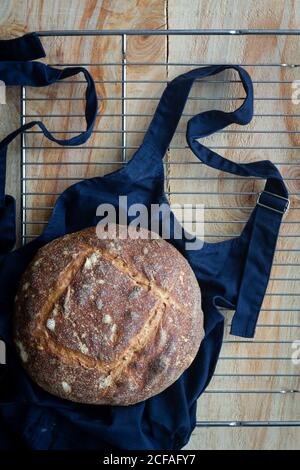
{"x": 112, "y": 321}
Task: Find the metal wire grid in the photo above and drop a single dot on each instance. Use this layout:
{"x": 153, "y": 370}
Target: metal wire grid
{"x": 124, "y": 131}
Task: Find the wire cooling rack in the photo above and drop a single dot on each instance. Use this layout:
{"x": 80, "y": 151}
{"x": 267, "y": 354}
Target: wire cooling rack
{"x": 28, "y": 160}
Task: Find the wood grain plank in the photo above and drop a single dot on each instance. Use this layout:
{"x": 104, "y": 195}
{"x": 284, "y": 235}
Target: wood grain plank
{"x": 248, "y": 407}
{"x": 270, "y": 135}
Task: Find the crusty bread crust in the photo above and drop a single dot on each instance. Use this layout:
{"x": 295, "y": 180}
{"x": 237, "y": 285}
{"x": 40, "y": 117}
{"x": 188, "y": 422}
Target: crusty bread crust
{"x": 107, "y": 321}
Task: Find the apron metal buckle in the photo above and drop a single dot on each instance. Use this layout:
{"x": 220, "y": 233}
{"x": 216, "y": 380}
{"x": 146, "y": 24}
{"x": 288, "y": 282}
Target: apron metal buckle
{"x": 285, "y": 209}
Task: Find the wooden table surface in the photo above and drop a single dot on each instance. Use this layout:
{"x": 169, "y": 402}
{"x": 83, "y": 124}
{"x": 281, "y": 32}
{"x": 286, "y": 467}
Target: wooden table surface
{"x": 279, "y": 323}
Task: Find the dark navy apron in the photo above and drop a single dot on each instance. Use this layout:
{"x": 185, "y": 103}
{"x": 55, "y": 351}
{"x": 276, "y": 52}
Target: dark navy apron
{"x": 232, "y": 274}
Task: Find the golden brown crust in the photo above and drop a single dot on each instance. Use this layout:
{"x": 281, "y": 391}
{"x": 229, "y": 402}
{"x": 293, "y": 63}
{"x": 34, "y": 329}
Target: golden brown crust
{"x": 107, "y": 321}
